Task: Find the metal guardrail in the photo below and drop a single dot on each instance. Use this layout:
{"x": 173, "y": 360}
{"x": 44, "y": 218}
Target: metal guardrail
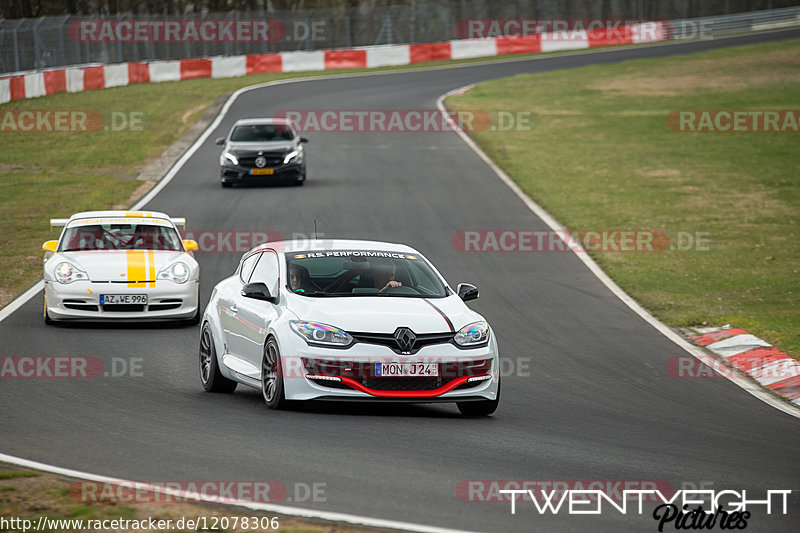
{"x": 46, "y": 42}
{"x": 710, "y": 27}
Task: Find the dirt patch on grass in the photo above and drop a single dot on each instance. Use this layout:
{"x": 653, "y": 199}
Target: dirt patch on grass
{"x": 661, "y": 173}
{"x": 192, "y": 111}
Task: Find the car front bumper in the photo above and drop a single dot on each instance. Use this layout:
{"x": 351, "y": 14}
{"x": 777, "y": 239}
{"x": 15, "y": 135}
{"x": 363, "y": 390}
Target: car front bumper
{"x": 239, "y": 174}
{"x": 80, "y": 300}
{"x": 310, "y": 372}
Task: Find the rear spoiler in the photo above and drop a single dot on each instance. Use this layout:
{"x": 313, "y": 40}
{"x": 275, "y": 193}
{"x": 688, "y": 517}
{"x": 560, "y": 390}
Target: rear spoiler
{"x": 61, "y": 222}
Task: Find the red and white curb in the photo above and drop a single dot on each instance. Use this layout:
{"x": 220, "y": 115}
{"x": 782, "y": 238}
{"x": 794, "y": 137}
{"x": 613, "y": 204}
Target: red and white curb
{"x": 768, "y": 366}
{"x": 20, "y": 86}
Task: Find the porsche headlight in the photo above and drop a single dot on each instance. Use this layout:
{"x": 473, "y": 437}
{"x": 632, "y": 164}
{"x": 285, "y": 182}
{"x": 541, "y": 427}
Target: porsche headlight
{"x": 294, "y": 154}
{"x": 227, "y": 156}
{"x": 177, "y": 272}
{"x": 316, "y": 333}
{"x": 472, "y": 334}
{"x": 67, "y": 273}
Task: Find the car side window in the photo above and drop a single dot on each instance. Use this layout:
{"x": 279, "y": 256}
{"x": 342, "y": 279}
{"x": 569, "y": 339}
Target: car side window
{"x": 247, "y": 267}
{"x": 266, "y": 271}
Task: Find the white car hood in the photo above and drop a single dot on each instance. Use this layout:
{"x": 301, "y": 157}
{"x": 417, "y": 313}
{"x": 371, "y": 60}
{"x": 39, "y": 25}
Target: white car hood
{"x": 119, "y": 265}
{"x": 384, "y": 314}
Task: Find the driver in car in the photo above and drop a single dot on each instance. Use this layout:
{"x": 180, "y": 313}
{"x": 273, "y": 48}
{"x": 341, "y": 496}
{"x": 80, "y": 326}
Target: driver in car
{"x": 384, "y": 277}
{"x": 299, "y": 280}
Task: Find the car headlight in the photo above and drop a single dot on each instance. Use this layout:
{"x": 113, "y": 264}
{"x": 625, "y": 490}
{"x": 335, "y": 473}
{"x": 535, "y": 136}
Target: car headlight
{"x": 229, "y": 157}
{"x": 67, "y": 273}
{"x": 472, "y": 334}
{"x": 294, "y": 154}
{"x": 177, "y": 272}
{"x": 316, "y": 333}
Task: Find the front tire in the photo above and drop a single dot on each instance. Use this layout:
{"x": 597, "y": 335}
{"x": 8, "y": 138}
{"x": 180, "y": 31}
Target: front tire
{"x": 272, "y": 377}
{"x": 480, "y": 408}
{"x": 226, "y": 185}
{"x": 210, "y": 376}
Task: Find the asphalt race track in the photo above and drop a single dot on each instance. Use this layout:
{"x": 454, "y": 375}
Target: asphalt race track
{"x": 597, "y": 404}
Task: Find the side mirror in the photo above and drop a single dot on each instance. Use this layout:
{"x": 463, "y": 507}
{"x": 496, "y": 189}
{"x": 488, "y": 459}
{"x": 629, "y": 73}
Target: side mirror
{"x": 220, "y": 141}
{"x": 190, "y": 245}
{"x": 303, "y": 139}
{"x": 50, "y": 246}
{"x": 258, "y": 291}
{"x": 467, "y": 292}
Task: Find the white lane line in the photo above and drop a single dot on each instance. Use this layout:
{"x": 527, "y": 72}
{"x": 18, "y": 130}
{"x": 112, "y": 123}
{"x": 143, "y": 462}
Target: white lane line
{"x": 21, "y": 300}
{"x": 256, "y": 506}
{"x": 662, "y": 328}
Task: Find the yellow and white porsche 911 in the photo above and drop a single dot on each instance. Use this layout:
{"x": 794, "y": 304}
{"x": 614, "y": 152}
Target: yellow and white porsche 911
{"x": 120, "y": 265}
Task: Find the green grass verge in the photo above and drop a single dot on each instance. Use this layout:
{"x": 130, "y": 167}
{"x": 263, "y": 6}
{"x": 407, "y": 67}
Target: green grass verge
{"x": 13, "y": 474}
{"x": 602, "y": 157}
{"x": 47, "y": 175}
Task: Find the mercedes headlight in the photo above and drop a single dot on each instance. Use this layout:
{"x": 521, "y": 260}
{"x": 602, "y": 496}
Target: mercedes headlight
{"x": 472, "y": 334}
{"x": 177, "y": 272}
{"x": 316, "y": 333}
{"x": 67, "y": 273}
{"x": 227, "y": 156}
{"x": 294, "y": 154}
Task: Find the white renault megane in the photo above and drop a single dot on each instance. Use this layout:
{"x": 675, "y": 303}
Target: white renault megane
{"x": 347, "y": 320}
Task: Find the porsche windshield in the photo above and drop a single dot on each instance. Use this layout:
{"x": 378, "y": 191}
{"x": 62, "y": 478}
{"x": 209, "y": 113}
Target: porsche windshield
{"x": 115, "y": 236}
{"x": 362, "y": 273}
{"x": 251, "y": 133}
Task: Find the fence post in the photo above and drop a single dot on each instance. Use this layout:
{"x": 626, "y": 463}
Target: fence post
{"x": 15, "y": 38}
{"x": 62, "y": 58}
{"x": 2, "y": 31}
{"x": 120, "y": 59}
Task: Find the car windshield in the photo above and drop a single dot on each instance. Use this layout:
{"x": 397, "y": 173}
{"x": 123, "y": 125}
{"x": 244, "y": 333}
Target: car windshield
{"x": 115, "y": 236}
{"x": 362, "y": 273}
{"x": 250, "y": 133}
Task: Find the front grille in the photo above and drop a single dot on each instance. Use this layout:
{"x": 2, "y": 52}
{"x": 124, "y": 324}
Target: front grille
{"x": 163, "y": 307}
{"x": 79, "y": 305}
{"x": 273, "y": 160}
{"x": 387, "y": 339}
{"x": 403, "y": 384}
{"x": 124, "y": 308}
